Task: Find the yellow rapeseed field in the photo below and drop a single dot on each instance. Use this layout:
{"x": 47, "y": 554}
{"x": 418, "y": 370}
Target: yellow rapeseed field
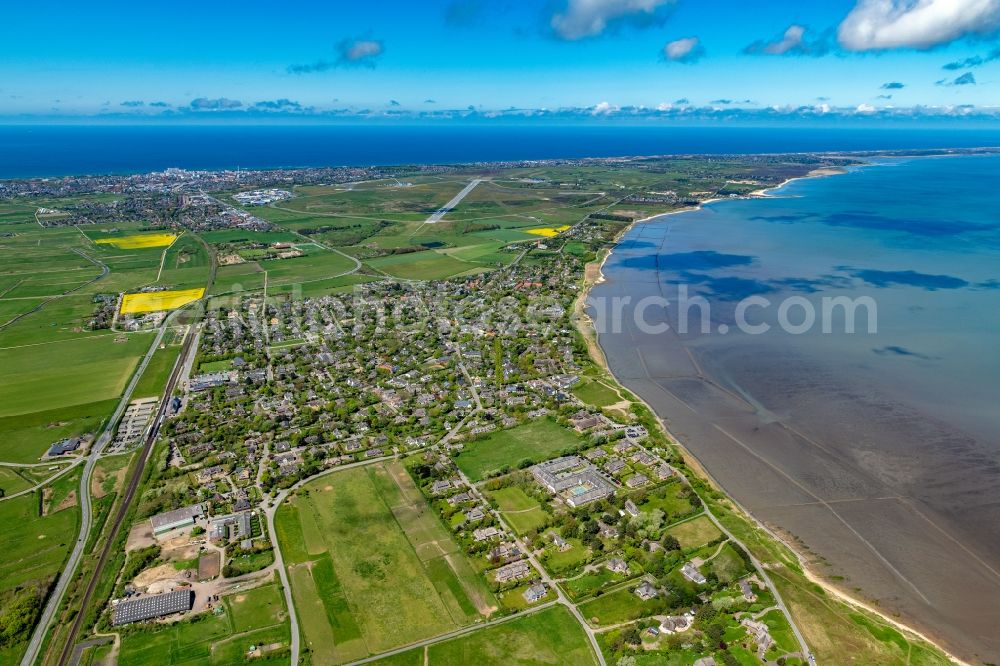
{"x": 139, "y": 241}
{"x": 155, "y": 301}
{"x": 548, "y": 232}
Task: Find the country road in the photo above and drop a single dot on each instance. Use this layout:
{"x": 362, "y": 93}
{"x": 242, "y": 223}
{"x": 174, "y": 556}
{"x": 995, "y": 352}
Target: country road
{"x": 130, "y": 490}
{"x": 55, "y": 598}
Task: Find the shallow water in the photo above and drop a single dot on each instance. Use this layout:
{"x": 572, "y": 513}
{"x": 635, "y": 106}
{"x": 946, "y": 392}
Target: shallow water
{"x": 880, "y": 450}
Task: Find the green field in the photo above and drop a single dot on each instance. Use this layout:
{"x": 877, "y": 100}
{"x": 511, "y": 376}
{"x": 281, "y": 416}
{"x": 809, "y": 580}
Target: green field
{"x": 371, "y": 566}
{"x": 521, "y": 511}
{"x": 562, "y": 562}
{"x": 695, "y": 532}
{"x": 35, "y": 548}
{"x": 16, "y": 479}
{"x": 60, "y": 378}
{"x": 426, "y": 265}
{"x": 535, "y": 441}
{"x": 585, "y": 585}
{"x": 550, "y": 636}
{"x": 68, "y": 374}
{"x": 619, "y": 606}
{"x": 369, "y": 219}
{"x": 728, "y": 565}
{"x": 667, "y": 499}
{"x": 238, "y": 277}
{"x": 154, "y": 378}
{"x": 254, "y": 617}
{"x": 26, "y": 436}
{"x": 35, "y": 545}
{"x": 596, "y": 393}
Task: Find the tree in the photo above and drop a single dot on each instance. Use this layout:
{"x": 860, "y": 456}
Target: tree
{"x": 715, "y": 632}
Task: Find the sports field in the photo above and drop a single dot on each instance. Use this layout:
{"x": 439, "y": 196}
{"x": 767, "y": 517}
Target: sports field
{"x": 371, "y": 566}
{"x": 138, "y": 241}
{"x": 536, "y": 441}
{"x": 156, "y": 301}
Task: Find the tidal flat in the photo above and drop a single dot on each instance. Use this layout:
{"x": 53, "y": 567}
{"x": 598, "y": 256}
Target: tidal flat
{"x": 879, "y": 450}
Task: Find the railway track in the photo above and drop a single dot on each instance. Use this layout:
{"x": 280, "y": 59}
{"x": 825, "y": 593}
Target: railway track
{"x": 123, "y": 508}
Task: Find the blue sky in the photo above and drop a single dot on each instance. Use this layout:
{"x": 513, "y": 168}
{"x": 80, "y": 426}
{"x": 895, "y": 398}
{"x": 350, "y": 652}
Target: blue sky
{"x": 447, "y": 58}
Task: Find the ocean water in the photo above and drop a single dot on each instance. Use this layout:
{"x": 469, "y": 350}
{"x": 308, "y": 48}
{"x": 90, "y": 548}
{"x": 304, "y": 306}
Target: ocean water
{"x": 69, "y": 150}
{"x": 879, "y": 449}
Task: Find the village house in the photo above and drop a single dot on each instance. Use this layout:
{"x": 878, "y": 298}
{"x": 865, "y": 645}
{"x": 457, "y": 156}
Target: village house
{"x": 617, "y": 565}
{"x": 690, "y": 571}
{"x": 535, "y": 593}
{"x": 675, "y": 624}
{"x": 513, "y": 571}
{"x": 486, "y": 533}
{"x": 646, "y": 591}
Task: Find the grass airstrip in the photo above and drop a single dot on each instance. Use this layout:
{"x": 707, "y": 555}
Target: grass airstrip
{"x": 156, "y": 301}
{"x": 371, "y": 566}
{"x": 138, "y": 241}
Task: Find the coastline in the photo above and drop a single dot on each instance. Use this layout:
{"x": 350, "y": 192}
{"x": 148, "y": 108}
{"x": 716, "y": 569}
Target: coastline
{"x": 594, "y": 275}
{"x": 822, "y": 172}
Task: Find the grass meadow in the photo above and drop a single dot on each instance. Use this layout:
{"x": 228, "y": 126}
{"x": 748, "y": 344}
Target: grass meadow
{"x": 616, "y": 607}
{"x": 535, "y": 441}
{"x": 371, "y": 566}
{"x": 695, "y": 532}
{"x": 521, "y": 511}
{"x": 550, "y": 636}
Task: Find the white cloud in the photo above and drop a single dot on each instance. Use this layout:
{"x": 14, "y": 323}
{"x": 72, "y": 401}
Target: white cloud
{"x": 792, "y": 39}
{"x": 687, "y": 49}
{"x": 360, "y": 50}
{"x": 589, "y": 18}
{"x": 920, "y": 24}
{"x": 792, "y": 42}
{"x": 865, "y": 108}
{"x": 603, "y": 109}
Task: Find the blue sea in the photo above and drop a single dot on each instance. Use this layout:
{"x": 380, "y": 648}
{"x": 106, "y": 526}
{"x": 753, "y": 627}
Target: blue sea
{"x": 72, "y": 150}
{"x": 879, "y": 449}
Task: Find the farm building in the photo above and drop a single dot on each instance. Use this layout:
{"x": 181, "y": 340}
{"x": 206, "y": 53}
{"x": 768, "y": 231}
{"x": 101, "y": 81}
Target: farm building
{"x": 164, "y": 522}
{"x": 64, "y": 446}
{"x": 157, "y": 605}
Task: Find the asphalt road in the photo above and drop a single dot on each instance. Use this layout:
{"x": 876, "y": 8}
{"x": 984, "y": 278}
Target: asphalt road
{"x": 129, "y": 494}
